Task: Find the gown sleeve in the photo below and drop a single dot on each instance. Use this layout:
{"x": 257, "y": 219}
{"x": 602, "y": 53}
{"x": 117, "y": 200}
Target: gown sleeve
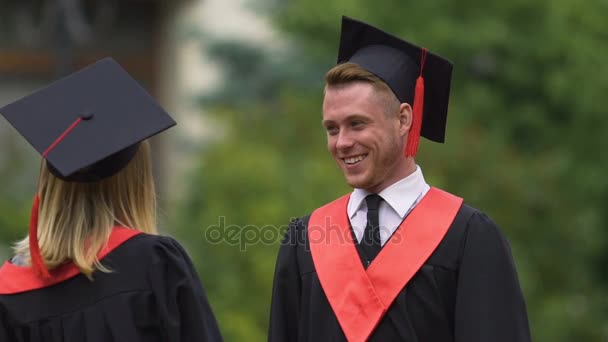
{"x": 184, "y": 310}
{"x": 489, "y": 302}
{"x": 286, "y": 290}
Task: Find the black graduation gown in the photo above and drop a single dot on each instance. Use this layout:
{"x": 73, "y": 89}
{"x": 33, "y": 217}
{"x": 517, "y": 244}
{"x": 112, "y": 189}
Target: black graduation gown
{"x": 467, "y": 291}
{"x": 152, "y": 294}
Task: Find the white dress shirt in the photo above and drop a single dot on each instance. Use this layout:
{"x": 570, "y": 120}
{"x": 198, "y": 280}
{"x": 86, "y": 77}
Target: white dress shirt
{"x": 399, "y": 199}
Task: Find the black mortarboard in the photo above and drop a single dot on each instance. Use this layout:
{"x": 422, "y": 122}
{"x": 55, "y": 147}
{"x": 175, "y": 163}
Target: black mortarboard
{"x": 398, "y": 64}
{"x": 88, "y": 125}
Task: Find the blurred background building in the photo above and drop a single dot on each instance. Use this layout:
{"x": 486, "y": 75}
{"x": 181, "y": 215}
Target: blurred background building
{"x": 160, "y": 43}
{"x": 41, "y": 41}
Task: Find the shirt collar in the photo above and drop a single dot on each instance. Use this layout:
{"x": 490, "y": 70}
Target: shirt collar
{"x": 400, "y": 195}
{"x": 18, "y": 260}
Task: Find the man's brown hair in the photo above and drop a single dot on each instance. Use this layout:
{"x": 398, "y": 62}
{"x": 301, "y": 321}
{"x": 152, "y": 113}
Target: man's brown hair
{"x": 348, "y": 73}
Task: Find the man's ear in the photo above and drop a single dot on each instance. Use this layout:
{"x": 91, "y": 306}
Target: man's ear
{"x": 405, "y": 118}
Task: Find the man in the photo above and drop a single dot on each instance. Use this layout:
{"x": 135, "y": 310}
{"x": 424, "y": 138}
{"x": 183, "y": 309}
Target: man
{"x": 396, "y": 260}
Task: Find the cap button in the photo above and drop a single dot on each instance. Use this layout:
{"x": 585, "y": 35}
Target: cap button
{"x": 87, "y": 116}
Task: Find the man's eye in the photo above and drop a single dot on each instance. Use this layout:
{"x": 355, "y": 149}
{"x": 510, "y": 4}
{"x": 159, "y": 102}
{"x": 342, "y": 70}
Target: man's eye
{"x": 332, "y": 130}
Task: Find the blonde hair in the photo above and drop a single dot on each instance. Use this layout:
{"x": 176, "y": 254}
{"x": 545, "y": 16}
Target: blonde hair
{"x": 75, "y": 219}
{"x": 347, "y": 73}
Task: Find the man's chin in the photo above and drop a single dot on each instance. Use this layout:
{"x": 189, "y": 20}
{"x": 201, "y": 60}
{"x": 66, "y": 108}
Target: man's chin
{"x": 356, "y": 182}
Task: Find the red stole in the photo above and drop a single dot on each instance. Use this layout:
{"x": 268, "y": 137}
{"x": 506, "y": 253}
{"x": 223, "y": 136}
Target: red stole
{"x": 16, "y": 279}
{"x": 361, "y": 297}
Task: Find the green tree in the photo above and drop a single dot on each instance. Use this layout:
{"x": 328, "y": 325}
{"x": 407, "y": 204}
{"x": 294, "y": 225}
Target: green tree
{"x": 16, "y": 166}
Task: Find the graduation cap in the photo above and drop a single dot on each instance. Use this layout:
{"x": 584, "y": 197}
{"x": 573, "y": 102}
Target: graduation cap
{"x": 412, "y": 73}
{"x": 87, "y": 126}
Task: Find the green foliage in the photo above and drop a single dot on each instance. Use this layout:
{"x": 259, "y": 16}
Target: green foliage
{"x": 16, "y": 192}
{"x": 524, "y": 144}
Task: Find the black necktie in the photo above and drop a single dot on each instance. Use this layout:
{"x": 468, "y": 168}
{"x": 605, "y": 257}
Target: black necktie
{"x": 371, "y": 237}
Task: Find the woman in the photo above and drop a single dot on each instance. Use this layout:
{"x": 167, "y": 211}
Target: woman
{"x": 93, "y": 268}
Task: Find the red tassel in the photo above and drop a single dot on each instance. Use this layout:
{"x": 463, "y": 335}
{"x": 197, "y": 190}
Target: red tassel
{"x": 413, "y": 138}
{"x": 37, "y": 262}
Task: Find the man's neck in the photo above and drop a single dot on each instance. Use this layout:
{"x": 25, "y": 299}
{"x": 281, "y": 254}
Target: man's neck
{"x": 408, "y": 168}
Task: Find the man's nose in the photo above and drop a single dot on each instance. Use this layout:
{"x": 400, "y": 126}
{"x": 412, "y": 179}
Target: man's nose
{"x": 344, "y": 140}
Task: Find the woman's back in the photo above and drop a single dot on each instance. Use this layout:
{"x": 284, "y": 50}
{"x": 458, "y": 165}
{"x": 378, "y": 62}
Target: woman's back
{"x": 151, "y": 294}
{"x": 84, "y": 279}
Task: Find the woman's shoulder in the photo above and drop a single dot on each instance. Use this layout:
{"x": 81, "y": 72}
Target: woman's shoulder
{"x": 153, "y": 240}
{"x": 152, "y": 247}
